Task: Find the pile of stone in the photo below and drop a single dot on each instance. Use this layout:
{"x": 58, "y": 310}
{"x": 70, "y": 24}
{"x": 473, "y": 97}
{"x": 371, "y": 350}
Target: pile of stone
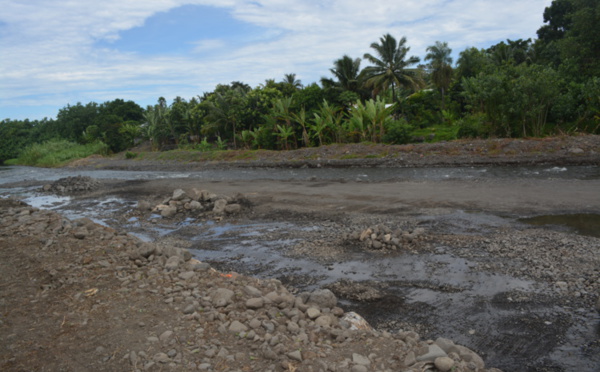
{"x": 197, "y": 202}
{"x": 72, "y": 185}
{"x": 383, "y": 237}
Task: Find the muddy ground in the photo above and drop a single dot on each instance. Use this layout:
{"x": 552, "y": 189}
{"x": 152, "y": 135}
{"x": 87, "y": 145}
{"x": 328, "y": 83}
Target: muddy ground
{"x": 522, "y": 296}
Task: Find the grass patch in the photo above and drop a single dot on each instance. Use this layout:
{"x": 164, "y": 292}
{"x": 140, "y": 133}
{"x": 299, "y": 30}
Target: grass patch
{"x": 58, "y": 152}
{"x": 436, "y": 133}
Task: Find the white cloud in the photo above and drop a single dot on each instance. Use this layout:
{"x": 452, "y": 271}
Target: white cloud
{"x": 208, "y": 45}
{"x": 49, "y": 46}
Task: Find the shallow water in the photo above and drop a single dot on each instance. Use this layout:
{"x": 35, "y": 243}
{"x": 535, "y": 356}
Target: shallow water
{"x": 581, "y": 223}
{"x": 18, "y": 174}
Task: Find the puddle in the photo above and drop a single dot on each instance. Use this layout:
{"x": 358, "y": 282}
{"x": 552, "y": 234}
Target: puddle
{"x": 584, "y": 224}
{"x": 47, "y": 201}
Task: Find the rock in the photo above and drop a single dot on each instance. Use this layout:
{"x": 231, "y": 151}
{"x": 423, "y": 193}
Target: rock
{"x": 220, "y": 205}
{"x": 445, "y": 344}
{"x": 184, "y": 254}
{"x": 178, "y": 195}
{"x": 172, "y": 263}
{"x": 237, "y": 327}
{"x": 146, "y": 249}
{"x": 295, "y": 355}
{"x": 365, "y": 234}
{"x": 410, "y": 358}
{"x": 168, "y": 211}
{"x": 576, "y": 150}
{"x": 313, "y": 312}
{"x": 80, "y": 232}
{"x": 323, "y": 321}
{"x": 418, "y": 231}
{"x": 255, "y": 303}
{"x": 133, "y": 358}
{"x": 598, "y": 305}
{"x": 359, "y": 368}
{"x": 187, "y": 275}
{"x": 161, "y": 358}
{"x": 433, "y": 352}
{"x": 356, "y": 321}
{"x": 293, "y": 327}
{"x": 377, "y": 244}
{"x": 323, "y": 298}
{"x": 255, "y": 323}
{"x": 252, "y": 291}
{"x": 195, "y": 205}
{"x": 444, "y": 364}
{"x": 143, "y": 205}
{"x": 468, "y": 355}
{"x": 222, "y": 297}
{"x": 232, "y": 208}
{"x": 164, "y": 337}
{"x": 360, "y": 359}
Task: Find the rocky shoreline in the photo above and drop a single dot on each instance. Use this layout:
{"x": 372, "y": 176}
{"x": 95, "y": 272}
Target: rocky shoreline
{"x": 138, "y": 306}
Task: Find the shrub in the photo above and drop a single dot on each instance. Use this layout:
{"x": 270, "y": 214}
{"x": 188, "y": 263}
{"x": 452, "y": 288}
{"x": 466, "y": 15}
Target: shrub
{"x": 472, "y": 126}
{"x": 398, "y": 132}
{"x": 204, "y": 145}
{"x": 57, "y": 152}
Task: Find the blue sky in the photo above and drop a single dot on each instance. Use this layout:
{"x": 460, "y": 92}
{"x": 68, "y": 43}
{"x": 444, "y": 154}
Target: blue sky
{"x": 59, "y": 52}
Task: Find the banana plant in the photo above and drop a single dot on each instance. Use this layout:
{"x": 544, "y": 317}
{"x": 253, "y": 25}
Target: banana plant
{"x": 284, "y": 133}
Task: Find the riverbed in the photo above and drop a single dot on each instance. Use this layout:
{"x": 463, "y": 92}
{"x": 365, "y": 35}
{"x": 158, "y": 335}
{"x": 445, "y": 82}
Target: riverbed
{"x": 480, "y": 274}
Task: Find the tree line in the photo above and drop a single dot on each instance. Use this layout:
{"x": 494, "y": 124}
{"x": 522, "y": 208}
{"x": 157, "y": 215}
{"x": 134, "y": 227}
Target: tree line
{"x": 516, "y": 88}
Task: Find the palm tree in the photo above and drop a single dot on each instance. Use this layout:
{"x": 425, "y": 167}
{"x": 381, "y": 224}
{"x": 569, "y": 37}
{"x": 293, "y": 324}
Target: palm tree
{"x": 390, "y": 67}
{"x": 347, "y": 73}
{"x": 441, "y": 64}
{"x": 291, "y": 80}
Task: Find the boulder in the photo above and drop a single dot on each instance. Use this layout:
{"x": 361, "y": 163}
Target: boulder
{"x": 323, "y": 298}
{"x": 178, "y": 195}
{"x": 172, "y": 263}
{"x": 220, "y": 205}
{"x": 143, "y": 205}
{"x": 232, "y": 208}
{"x": 222, "y": 297}
{"x": 146, "y": 249}
{"x": 169, "y": 211}
{"x": 432, "y": 353}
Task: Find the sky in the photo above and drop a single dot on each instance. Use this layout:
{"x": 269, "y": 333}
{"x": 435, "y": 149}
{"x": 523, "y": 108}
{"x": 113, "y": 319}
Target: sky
{"x": 59, "y": 52}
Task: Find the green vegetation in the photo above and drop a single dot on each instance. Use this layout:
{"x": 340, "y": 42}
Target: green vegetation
{"x": 56, "y": 153}
{"x": 516, "y": 88}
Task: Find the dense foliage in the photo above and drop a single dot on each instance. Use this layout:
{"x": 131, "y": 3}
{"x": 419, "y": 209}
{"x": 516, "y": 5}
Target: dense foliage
{"x": 512, "y": 89}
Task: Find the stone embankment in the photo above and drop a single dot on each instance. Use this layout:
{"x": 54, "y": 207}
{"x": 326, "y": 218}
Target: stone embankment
{"x": 117, "y": 303}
